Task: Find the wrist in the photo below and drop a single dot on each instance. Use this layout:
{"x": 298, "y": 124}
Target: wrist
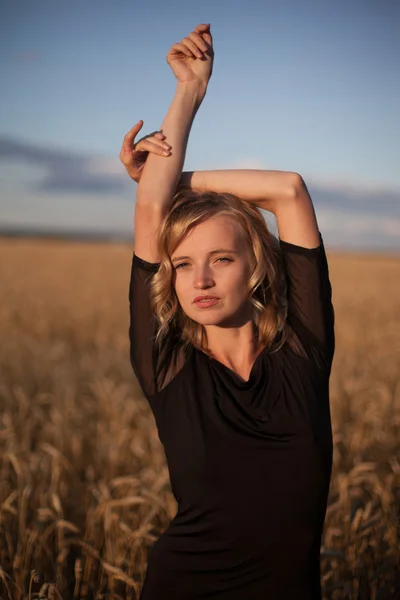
{"x": 186, "y": 179}
{"x": 194, "y": 88}
{"x": 194, "y": 180}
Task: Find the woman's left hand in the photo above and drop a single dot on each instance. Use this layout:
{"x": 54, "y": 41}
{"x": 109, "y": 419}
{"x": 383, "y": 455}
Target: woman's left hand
{"x": 192, "y": 59}
{"x": 133, "y": 156}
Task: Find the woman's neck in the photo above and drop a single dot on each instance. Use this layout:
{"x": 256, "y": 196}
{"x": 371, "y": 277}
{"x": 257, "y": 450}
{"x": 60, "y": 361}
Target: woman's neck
{"x": 236, "y": 347}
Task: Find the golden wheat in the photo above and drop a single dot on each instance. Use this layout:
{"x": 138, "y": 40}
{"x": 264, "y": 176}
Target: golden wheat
{"x": 84, "y": 484}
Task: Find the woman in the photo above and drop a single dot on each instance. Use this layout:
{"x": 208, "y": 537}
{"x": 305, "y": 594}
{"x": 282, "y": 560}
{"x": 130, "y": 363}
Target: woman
{"x": 239, "y": 382}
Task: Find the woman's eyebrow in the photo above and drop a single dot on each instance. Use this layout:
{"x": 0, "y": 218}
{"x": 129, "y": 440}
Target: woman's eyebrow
{"x": 210, "y": 252}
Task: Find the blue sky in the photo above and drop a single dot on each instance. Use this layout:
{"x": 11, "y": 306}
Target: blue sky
{"x": 297, "y": 85}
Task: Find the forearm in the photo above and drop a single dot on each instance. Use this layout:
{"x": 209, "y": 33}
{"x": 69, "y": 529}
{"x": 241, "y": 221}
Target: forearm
{"x": 264, "y": 188}
{"x": 161, "y": 175}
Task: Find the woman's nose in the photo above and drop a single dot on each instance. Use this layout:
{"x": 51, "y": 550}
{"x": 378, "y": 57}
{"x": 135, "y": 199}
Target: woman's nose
{"x": 203, "y": 279}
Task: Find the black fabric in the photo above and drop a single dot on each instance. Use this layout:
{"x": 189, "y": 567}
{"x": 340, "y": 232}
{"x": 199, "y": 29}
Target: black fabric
{"x": 249, "y": 461}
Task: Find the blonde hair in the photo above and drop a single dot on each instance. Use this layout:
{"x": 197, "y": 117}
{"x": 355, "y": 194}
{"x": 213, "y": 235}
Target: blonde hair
{"x": 267, "y": 283}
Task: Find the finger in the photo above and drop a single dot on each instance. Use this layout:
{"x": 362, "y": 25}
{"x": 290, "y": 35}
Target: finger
{"x": 204, "y": 30}
{"x": 161, "y": 142}
{"x": 126, "y": 153}
{"x": 156, "y": 133}
{"x": 126, "y": 149}
{"x": 152, "y": 134}
{"x": 202, "y": 27}
{"x": 198, "y": 40}
{"x": 148, "y": 146}
{"x": 192, "y": 47}
{"x": 183, "y": 49}
{"x": 157, "y": 142}
{"x": 137, "y": 127}
{"x": 130, "y": 136}
{"x": 207, "y": 37}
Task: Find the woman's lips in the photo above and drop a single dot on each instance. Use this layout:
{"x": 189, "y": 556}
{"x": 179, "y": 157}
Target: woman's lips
{"x": 206, "y": 302}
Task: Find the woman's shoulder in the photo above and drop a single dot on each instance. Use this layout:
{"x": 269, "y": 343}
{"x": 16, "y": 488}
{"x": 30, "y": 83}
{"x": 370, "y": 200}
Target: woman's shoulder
{"x": 175, "y": 365}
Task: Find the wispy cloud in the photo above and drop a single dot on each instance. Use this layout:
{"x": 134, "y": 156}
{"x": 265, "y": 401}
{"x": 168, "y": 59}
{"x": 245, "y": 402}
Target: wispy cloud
{"x": 349, "y": 214}
{"x": 342, "y": 196}
{"x": 67, "y": 171}
{"x": 350, "y": 186}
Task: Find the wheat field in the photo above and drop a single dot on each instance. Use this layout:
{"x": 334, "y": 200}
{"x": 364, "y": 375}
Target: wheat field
{"x": 84, "y": 487}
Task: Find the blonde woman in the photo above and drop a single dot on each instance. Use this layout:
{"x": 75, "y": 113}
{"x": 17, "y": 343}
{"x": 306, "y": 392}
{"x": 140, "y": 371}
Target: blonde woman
{"x": 232, "y": 341}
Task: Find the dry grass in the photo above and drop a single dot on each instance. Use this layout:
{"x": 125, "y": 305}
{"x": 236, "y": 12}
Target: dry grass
{"x": 84, "y": 484}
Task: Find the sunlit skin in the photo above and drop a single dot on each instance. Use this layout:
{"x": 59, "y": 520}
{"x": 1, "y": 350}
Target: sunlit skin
{"x": 228, "y": 324}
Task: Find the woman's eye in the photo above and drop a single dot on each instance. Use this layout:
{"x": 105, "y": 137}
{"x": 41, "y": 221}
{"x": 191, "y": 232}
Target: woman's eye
{"x": 224, "y": 258}
{"x": 220, "y": 258}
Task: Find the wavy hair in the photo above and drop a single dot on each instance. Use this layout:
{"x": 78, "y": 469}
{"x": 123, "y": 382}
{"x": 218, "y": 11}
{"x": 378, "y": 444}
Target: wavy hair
{"x": 266, "y": 286}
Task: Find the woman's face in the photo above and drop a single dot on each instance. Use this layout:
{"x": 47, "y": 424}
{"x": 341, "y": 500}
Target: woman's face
{"x": 199, "y": 269}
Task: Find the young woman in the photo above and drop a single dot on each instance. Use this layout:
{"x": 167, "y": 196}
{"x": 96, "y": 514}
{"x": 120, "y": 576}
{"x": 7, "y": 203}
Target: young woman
{"x": 232, "y": 342}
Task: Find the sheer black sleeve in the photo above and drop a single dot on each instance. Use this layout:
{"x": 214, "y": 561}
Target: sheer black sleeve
{"x": 153, "y": 369}
{"x": 309, "y": 294}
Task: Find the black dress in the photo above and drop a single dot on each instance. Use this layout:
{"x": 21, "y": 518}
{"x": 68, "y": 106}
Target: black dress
{"x": 249, "y": 462}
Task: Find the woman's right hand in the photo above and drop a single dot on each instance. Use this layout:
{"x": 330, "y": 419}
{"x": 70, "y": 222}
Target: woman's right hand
{"x": 192, "y": 59}
{"x": 133, "y": 156}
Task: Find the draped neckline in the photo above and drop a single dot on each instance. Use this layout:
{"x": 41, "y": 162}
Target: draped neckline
{"x": 239, "y": 378}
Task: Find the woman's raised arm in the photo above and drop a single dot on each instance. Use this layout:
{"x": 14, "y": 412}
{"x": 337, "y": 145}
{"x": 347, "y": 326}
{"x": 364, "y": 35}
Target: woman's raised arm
{"x": 160, "y": 175}
{"x": 284, "y": 193}
{"x": 266, "y": 189}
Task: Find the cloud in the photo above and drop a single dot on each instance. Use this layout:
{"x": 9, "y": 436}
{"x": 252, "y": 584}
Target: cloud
{"x": 349, "y": 214}
{"x": 340, "y": 184}
{"x": 341, "y": 196}
{"x": 354, "y": 223}
{"x": 105, "y": 165}
{"x": 65, "y": 171}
